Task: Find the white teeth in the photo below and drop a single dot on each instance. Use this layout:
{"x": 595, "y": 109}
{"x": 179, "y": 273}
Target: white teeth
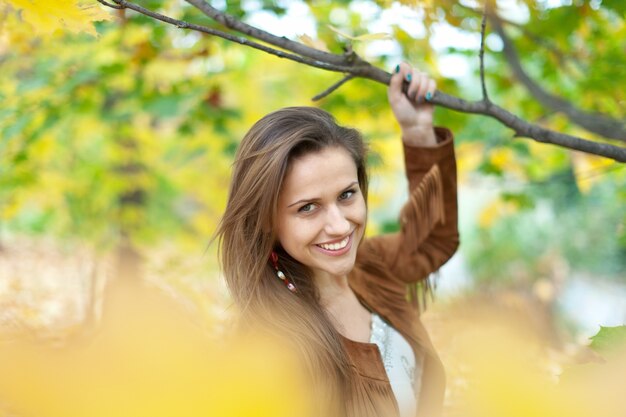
{"x": 336, "y": 246}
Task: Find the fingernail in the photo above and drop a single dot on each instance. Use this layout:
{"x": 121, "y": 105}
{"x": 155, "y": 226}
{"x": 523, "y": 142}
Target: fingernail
{"x": 429, "y": 95}
{"x": 408, "y": 77}
{"x": 397, "y": 68}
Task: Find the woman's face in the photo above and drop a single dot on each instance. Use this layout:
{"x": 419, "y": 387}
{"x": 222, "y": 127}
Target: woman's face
{"x": 321, "y": 211}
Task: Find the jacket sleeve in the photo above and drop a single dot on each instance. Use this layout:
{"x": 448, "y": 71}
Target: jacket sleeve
{"x": 429, "y": 233}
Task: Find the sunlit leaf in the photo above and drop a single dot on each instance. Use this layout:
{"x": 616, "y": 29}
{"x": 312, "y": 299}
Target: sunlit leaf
{"x": 366, "y": 37}
{"x": 46, "y": 17}
{"x": 589, "y": 170}
{"x": 609, "y": 339}
{"x": 313, "y": 43}
{"x": 495, "y": 210}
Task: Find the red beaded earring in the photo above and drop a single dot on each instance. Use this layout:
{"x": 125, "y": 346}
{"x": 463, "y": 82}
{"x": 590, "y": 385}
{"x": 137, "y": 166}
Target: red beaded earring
{"x": 281, "y": 276}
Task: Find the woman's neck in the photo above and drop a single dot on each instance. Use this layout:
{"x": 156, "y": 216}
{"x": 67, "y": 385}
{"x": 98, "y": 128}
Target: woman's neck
{"x": 348, "y": 315}
{"x": 331, "y": 288}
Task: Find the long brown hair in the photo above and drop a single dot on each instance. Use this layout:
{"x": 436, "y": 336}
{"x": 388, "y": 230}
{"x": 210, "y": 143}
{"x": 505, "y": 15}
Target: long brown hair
{"x": 247, "y": 237}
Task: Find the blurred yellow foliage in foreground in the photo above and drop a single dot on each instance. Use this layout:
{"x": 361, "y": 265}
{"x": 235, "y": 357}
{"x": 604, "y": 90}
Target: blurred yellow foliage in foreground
{"x": 503, "y": 360}
{"x": 148, "y": 358}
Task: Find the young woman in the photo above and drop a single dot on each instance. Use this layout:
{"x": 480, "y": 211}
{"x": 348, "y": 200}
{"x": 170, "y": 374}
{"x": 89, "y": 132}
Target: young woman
{"x": 296, "y": 263}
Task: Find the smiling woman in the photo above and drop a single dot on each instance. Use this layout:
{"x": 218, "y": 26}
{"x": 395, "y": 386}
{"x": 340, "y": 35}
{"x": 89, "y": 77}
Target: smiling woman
{"x": 319, "y": 230}
{"x": 296, "y": 263}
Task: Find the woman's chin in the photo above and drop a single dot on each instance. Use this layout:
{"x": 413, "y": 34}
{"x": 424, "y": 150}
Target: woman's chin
{"x": 338, "y": 270}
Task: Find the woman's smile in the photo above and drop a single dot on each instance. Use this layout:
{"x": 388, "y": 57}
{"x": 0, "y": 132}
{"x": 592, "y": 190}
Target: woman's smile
{"x": 336, "y": 248}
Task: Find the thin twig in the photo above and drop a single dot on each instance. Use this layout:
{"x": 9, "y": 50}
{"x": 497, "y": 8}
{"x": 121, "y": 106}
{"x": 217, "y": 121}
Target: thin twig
{"x": 481, "y": 54}
{"x": 333, "y": 87}
{"x": 111, "y": 5}
{"x": 561, "y": 57}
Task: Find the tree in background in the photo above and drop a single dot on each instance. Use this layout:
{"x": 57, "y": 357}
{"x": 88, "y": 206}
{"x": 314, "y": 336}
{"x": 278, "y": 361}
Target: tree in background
{"x": 125, "y": 138}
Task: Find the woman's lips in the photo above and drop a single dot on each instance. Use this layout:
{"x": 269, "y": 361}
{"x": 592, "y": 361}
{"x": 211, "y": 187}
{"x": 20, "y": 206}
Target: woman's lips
{"x": 340, "y": 251}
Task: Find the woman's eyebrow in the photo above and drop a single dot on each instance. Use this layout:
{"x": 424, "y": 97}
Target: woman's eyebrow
{"x": 313, "y": 200}
{"x": 305, "y": 200}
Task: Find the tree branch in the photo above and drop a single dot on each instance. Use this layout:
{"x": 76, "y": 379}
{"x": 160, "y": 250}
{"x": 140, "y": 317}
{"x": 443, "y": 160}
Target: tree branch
{"x": 279, "y": 41}
{"x": 333, "y": 87}
{"x": 237, "y": 39}
{"x": 481, "y": 54}
{"x": 524, "y": 129}
{"x": 353, "y": 65}
{"x": 348, "y": 63}
{"x": 594, "y": 122}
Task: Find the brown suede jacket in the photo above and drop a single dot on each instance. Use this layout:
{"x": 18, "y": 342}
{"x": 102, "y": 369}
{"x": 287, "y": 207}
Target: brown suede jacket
{"x": 388, "y": 266}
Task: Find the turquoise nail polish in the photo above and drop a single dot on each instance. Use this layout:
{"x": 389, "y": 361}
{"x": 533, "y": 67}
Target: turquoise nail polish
{"x": 397, "y": 68}
{"x": 408, "y": 77}
{"x": 429, "y": 95}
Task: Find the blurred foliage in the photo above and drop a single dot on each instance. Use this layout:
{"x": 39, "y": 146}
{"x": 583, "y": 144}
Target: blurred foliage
{"x": 129, "y": 135}
{"x": 541, "y": 222}
{"x": 103, "y": 138}
{"x": 150, "y": 358}
{"x": 46, "y": 18}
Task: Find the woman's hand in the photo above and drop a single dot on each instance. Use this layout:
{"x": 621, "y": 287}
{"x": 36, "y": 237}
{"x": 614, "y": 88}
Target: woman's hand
{"x": 413, "y": 112}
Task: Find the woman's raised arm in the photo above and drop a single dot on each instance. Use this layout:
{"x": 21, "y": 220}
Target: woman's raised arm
{"x": 429, "y": 231}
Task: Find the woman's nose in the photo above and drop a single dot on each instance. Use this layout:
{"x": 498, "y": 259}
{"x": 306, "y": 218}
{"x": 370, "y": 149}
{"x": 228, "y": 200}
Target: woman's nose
{"x": 336, "y": 221}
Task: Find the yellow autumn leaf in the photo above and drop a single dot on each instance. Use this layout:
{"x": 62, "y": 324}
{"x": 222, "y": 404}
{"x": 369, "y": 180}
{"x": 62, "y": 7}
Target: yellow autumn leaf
{"x": 505, "y": 159}
{"x": 313, "y": 43}
{"x": 10, "y": 208}
{"x": 494, "y": 211}
{"x": 163, "y": 72}
{"x": 74, "y": 16}
{"x": 362, "y": 38}
{"x": 469, "y": 157}
{"x": 501, "y": 158}
{"x": 588, "y": 169}
{"x": 372, "y": 37}
{"x": 423, "y": 4}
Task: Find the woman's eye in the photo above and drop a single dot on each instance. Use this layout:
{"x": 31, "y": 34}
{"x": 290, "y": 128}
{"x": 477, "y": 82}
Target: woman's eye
{"x": 347, "y": 194}
{"x": 306, "y": 208}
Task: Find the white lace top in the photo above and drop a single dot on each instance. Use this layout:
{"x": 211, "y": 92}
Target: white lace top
{"x": 405, "y": 377}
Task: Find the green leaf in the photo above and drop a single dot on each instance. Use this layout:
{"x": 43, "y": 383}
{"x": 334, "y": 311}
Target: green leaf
{"x": 521, "y": 200}
{"x": 165, "y": 106}
{"x": 618, "y": 6}
{"x": 390, "y": 226}
{"x": 609, "y": 339}
{"x": 17, "y": 127}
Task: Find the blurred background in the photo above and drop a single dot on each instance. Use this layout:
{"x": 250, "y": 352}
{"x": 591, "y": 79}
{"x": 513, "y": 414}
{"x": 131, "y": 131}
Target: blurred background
{"x": 117, "y": 133}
